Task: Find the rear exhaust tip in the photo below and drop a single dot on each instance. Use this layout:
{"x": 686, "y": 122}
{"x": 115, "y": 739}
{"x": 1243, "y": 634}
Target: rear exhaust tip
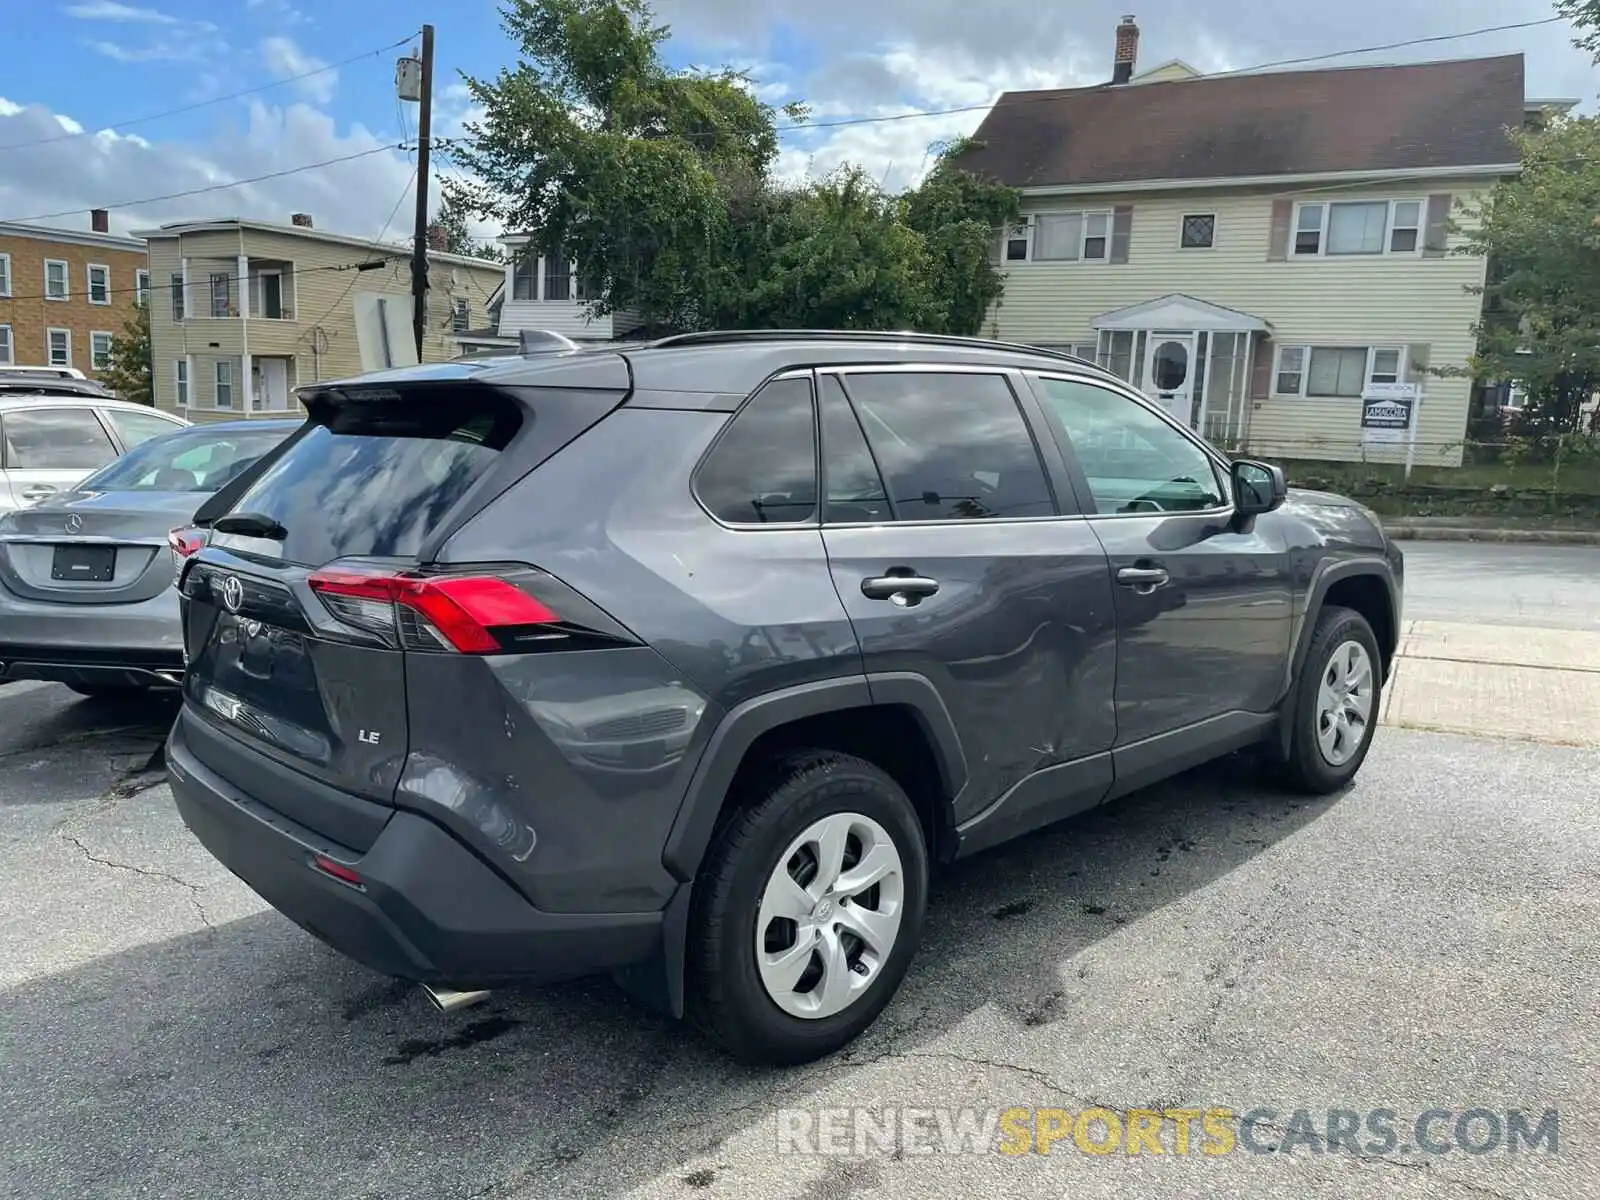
{"x": 449, "y": 1000}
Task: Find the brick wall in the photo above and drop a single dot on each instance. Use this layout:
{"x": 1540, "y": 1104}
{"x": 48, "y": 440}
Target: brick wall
{"x": 30, "y": 315}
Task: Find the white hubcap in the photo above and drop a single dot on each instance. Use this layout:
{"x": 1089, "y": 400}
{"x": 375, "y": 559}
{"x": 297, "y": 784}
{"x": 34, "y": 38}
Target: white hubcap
{"x": 829, "y": 915}
{"x": 1345, "y": 696}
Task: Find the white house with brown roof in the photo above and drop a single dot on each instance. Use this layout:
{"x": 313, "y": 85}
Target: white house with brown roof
{"x": 1257, "y": 252}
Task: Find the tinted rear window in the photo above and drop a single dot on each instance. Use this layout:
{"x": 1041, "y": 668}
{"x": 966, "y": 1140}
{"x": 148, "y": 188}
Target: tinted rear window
{"x": 376, "y": 478}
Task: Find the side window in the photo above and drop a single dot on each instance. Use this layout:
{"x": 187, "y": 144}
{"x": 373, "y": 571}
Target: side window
{"x": 952, "y": 446}
{"x": 763, "y": 469}
{"x": 56, "y": 438}
{"x": 1135, "y": 462}
{"x": 136, "y": 427}
{"x": 854, "y": 487}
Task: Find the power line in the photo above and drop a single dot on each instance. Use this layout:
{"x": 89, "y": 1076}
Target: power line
{"x": 1282, "y": 62}
{"x": 217, "y": 187}
{"x": 393, "y": 252}
{"x": 399, "y": 200}
{"x": 188, "y": 108}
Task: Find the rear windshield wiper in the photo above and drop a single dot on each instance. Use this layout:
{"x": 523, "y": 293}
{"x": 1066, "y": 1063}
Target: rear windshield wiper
{"x": 251, "y": 525}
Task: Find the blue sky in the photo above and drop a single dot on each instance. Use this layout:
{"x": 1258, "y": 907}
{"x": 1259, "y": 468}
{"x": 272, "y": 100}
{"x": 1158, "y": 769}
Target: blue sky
{"x": 86, "y": 65}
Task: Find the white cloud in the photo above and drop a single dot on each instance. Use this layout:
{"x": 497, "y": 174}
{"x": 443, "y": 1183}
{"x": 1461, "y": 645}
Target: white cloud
{"x": 106, "y": 10}
{"x": 286, "y": 60}
{"x": 280, "y": 12}
{"x": 107, "y": 168}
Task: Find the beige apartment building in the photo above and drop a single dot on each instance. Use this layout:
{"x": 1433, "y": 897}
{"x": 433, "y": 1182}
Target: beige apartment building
{"x": 65, "y": 293}
{"x": 244, "y": 312}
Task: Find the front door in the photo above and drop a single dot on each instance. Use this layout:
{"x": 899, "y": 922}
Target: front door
{"x": 1203, "y": 608}
{"x": 956, "y": 566}
{"x": 1169, "y": 371}
{"x": 272, "y": 385}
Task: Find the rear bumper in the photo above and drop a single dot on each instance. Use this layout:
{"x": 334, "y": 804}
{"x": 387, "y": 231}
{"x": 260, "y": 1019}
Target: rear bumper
{"x": 91, "y": 643}
{"x": 428, "y": 909}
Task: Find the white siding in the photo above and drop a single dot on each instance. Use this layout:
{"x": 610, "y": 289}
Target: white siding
{"x": 1383, "y": 300}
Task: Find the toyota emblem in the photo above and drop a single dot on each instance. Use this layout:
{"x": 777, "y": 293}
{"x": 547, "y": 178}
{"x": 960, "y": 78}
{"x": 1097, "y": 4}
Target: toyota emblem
{"x": 74, "y": 523}
{"x": 232, "y": 593}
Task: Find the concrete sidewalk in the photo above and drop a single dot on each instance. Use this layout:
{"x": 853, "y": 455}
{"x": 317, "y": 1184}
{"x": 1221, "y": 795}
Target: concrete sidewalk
{"x": 1535, "y": 530}
{"x": 1540, "y": 685}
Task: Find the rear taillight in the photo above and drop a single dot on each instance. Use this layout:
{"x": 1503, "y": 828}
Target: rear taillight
{"x": 185, "y": 542}
{"x": 470, "y": 614}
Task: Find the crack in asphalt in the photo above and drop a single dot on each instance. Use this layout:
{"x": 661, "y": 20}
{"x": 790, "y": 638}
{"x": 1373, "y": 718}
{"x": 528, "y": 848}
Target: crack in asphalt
{"x": 193, "y": 889}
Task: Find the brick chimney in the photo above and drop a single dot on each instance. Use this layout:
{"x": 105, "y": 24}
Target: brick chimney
{"x": 438, "y": 238}
{"x": 301, "y": 219}
{"x": 1127, "y": 51}
{"x": 99, "y": 220}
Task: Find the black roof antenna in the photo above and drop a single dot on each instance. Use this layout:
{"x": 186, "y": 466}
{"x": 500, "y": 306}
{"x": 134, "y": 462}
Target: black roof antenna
{"x": 543, "y": 341}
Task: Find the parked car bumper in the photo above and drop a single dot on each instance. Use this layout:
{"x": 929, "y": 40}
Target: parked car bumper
{"x": 91, "y": 643}
{"x": 421, "y": 907}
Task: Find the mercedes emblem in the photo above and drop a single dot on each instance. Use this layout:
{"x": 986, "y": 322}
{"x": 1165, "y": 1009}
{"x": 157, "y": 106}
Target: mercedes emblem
{"x": 232, "y": 593}
{"x": 74, "y": 523}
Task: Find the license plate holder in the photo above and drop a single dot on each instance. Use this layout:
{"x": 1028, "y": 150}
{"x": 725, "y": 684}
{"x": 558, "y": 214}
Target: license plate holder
{"x": 84, "y": 564}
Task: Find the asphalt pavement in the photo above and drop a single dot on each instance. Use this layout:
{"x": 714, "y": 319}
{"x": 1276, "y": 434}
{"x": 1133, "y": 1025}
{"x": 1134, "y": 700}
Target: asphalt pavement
{"x": 1424, "y": 940}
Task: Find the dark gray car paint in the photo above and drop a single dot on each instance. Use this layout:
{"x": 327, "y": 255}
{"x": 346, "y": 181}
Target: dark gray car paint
{"x": 1030, "y": 709}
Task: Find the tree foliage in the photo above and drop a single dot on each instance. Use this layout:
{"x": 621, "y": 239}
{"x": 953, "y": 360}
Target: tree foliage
{"x": 1585, "y": 14}
{"x": 660, "y": 183}
{"x": 1541, "y": 234}
{"x": 127, "y": 370}
{"x": 452, "y": 218}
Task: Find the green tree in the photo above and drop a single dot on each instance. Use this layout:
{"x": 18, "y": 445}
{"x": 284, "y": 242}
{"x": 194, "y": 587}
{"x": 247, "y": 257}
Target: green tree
{"x": 452, "y": 218}
{"x": 127, "y": 370}
{"x": 660, "y": 184}
{"x": 958, "y": 214}
{"x": 1585, "y": 14}
{"x": 1541, "y": 234}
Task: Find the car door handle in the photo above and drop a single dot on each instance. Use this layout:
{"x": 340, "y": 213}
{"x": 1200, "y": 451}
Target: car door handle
{"x": 37, "y": 491}
{"x": 903, "y": 589}
{"x": 1143, "y": 580}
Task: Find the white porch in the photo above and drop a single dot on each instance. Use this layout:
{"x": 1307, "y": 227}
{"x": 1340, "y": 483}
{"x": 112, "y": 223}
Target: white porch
{"x": 1190, "y": 356}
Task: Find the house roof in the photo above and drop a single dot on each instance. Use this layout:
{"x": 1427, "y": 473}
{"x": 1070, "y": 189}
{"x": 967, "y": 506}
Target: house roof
{"x": 226, "y": 224}
{"x": 1423, "y": 116}
{"x": 83, "y": 237}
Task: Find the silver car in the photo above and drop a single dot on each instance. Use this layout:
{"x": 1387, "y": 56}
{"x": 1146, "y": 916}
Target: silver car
{"x": 86, "y": 596}
{"x": 56, "y": 430}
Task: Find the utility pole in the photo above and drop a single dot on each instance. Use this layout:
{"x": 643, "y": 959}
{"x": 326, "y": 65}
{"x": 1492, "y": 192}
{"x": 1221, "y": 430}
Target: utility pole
{"x": 419, "y": 249}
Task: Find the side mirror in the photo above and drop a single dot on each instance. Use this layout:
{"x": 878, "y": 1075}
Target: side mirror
{"x": 1257, "y": 487}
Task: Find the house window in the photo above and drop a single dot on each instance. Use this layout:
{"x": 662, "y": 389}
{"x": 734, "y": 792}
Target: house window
{"x": 1199, "y": 231}
{"x": 1358, "y": 227}
{"x": 177, "y": 296}
{"x": 55, "y": 279}
{"x": 180, "y": 375}
{"x": 224, "y": 384}
{"x": 141, "y": 288}
{"x": 99, "y": 284}
{"x": 557, "y": 279}
{"x": 1017, "y": 243}
{"x": 5, "y": 274}
{"x": 1071, "y": 237}
{"x": 7, "y": 355}
{"x": 100, "y": 350}
{"x": 1117, "y": 355}
{"x": 1290, "y": 377}
{"x": 525, "y": 278}
{"x": 1335, "y": 371}
{"x": 59, "y": 344}
{"x": 221, "y": 293}
{"x": 460, "y": 315}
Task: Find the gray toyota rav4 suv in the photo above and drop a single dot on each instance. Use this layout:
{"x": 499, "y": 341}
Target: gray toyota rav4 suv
{"x": 690, "y": 660}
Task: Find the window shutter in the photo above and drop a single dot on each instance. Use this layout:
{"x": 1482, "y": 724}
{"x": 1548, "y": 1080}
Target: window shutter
{"x": 1436, "y": 236}
{"x": 1278, "y": 241}
{"x": 1417, "y": 363}
{"x": 1121, "y": 232}
{"x": 1261, "y": 369}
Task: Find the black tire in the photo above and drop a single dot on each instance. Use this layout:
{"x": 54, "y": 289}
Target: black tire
{"x": 1306, "y": 768}
{"x": 726, "y": 996}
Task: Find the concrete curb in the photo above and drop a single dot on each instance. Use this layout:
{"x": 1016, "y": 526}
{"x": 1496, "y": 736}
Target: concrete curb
{"x": 1467, "y": 533}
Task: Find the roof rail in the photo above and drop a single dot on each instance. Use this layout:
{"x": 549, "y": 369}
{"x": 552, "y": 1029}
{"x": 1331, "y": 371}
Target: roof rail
{"x": 734, "y": 336}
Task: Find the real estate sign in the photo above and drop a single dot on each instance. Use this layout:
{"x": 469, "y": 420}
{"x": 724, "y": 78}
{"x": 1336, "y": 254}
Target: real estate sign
{"x": 1389, "y": 413}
